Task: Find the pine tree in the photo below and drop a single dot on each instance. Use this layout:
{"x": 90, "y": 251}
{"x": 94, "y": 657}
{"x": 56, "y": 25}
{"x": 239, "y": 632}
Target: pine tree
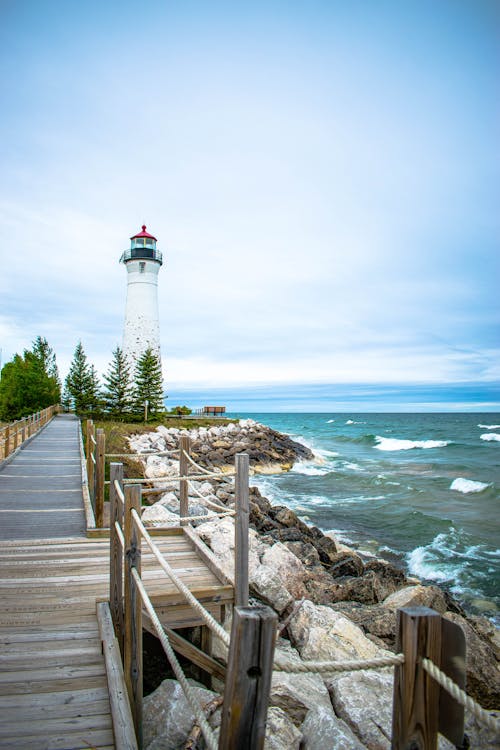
{"x": 118, "y": 394}
{"x": 80, "y": 382}
{"x": 149, "y": 384}
{"x": 46, "y": 355}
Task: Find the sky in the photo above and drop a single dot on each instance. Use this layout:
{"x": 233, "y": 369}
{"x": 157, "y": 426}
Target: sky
{"x": 322, "y": 178}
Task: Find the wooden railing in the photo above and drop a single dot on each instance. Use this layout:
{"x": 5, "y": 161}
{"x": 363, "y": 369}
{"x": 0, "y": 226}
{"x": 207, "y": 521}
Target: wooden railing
{"x": 95, "y": 458}
{"x": 429, "y": 678}
{"x": 13, "y": 435}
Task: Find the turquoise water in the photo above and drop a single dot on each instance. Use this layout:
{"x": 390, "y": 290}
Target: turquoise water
{"x": 421, "y": 490}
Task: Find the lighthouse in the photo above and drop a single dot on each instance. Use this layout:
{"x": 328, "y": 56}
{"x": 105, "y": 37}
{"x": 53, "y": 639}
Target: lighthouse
{"x": 142, "y": 326}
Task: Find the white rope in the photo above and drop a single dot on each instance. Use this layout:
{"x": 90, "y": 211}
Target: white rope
{"x": 207, "y": 517}
{"x": 206, "y": 500}
{"x": 283, "y": 665}
{"x": 92, "y": 438}
{"x": 193, "y": 601}
{"x": 139, "y": 455}
{"x": 119, "y": 534}
{"x": 92, "y": 458}
{"x": 492, "y": 722}
{"x": 215, "y": 474}
{"x": 188, "y": 690}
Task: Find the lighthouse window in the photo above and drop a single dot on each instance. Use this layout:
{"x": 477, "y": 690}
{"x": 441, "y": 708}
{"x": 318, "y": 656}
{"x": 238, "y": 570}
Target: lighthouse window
{"x": 142, "y": 267}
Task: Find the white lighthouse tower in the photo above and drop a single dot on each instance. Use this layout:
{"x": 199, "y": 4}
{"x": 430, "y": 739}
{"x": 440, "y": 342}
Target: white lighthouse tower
{"x": 142, "y": 326}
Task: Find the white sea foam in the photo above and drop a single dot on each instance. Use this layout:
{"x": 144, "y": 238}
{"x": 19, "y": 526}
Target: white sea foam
{"x": 466, "y": 486}
{"x": 489, "y": 426}
{"x": 349, "y": 421}
{"x": 491, "y": 436}
{"x": 393, "y": 444}
{"x": 311, "y": 469}
{"x": 330, "y": 421}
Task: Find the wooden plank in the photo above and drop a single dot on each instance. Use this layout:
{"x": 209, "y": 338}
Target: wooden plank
{"x": 132, "y": 644}
{"x": 187, "y": 649}
{"x": 83, "y": 738}
{"x": 123, "y": 723}
{"x": 100, "y": 452}
{"x": 116, "y": 553}
{"x": 416, "y": 694}
{"x": 248, "y": 682}
{"x": 241, "y": 531}
{"x": 185, "y": 448}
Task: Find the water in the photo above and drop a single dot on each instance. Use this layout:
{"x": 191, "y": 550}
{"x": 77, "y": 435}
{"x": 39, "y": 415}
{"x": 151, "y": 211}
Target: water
{"x": 420, "y": 490}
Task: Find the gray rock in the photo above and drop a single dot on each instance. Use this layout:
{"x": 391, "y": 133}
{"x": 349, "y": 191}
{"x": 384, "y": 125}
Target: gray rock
{"x": 167, "y": 717}
{"x": 417, "y": 596}
{"x": 323, "y": 730}
{"x": 364, "y": 701}
{"x": 281, "y": 733}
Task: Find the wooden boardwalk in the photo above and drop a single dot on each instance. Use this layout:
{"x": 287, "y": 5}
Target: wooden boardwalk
{"x": 41, "y": 485}
{"x": 54, "y": 689}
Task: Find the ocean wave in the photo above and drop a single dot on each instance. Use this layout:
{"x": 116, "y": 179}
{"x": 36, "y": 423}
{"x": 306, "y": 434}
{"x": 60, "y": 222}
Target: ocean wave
{"x": 467, "y": 486}
{"x": 491, "y": 436}
{"x": 489, "y": 426}
{"x": 330, "y": 421}
{"x": 310, "y": 468}
{"x": 393, "y": 444}
{"x": 353, "y": 421}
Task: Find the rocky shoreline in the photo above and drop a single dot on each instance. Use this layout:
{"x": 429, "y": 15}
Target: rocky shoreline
{"x": 331, "y": 602}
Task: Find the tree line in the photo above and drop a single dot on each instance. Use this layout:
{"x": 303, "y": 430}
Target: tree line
{"x": 31, "y": 382}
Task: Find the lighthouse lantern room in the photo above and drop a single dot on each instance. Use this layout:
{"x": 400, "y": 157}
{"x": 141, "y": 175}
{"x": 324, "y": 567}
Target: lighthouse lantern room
{"x": 142, "y": 326}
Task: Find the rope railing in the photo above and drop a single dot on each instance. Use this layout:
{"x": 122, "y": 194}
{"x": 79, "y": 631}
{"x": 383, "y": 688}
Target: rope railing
{"x": 460, "y": 695}
{"x": 210, "y": 621}
{"x": 179, "y": 673}
{"x": 206, "y": 472}
{"x": 418, "y": 645}
{"x": 14, "y": 434}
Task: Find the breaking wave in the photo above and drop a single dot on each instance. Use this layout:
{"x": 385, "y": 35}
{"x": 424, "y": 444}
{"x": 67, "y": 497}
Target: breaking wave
{"x": 491, "y": 436}
{"x": 467, "y": 486}
{"x": 393, "y": 444}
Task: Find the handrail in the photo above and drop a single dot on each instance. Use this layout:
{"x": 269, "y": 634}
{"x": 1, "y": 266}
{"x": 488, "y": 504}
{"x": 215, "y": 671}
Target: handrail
{"x": 25, "y": 427}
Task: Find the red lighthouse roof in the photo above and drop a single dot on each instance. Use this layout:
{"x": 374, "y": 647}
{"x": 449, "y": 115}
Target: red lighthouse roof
{"x": 143, "y": 234}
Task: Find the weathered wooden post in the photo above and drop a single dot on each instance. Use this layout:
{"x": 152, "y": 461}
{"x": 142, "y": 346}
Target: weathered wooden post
{"x": 7, "y": 441}
{"x": 241, "y": 530}
{"x": 100, "y": 461}
{"x": 116, "y": 552}
{"x": 132, "y": 646}
{"x": 185, "y": 448}
{"x": 416, "y": 695}
{"x": 90, "y": 456}
{"x": 248, "y": 679}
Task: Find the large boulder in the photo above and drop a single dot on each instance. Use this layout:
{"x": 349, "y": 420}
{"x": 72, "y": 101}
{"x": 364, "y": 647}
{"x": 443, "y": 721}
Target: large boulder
{"x": 320, "y": 633}
{"x": 364, "y": 701}
{"x": 167, "y": 716}
{"x": 297, "y": 693}
{"x": 159, "y": 515}
{"x": 417, "y": 596}
{"x": 288, "y": 567}
{"x": 323, "y": 730}
{"x": 281, "y": 732}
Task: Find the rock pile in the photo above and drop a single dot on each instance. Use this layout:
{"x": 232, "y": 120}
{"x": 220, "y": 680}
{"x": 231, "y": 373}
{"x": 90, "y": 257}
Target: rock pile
{"x": 347, "y": 608}
{"x": 269, "y": 451}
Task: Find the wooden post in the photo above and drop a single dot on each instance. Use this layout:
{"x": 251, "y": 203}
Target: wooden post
{"x": 241, "y": 531}
{"x": 90, "y": 463}
{"x": 132, "y": 646}
{"x": 185, "y": 447}
{"x": 116, "y": 552}
{"x": 100, "y": 459}
{"x": 248, "y": 680}
{"x": 7, "y": 441}
{"x": 416, "y": 694}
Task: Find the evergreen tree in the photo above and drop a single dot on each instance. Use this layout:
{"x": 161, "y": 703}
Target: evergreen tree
{"x": 28, "y": 384}
{"x": 149, "y": 384}
{"x": 94, "y": 394}
{"x": 79, "y": 382}
{"x": 46, "y": 354}
{"x": 118, "y": 394}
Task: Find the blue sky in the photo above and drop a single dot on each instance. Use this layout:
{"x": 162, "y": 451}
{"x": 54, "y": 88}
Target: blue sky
{"x": 322, "y": 179}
